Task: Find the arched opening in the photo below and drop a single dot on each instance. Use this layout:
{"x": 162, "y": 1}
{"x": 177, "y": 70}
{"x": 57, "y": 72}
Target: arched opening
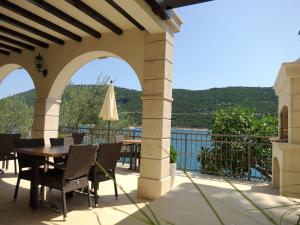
{"x": 284, "y": 124}
{"x": 17, "y": 94}
{"x": 74, "y": 65}
{"x": 276, "y": 173}
{"x": 81, "y": 87}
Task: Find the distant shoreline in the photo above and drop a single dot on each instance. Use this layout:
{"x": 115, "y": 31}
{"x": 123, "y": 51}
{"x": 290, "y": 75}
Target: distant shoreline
{"x": 178, "y": 128}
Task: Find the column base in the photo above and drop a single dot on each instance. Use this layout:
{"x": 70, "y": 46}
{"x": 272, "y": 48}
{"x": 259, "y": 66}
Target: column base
{"x": 153, "y": 189}
{"x": 46, "y": 134}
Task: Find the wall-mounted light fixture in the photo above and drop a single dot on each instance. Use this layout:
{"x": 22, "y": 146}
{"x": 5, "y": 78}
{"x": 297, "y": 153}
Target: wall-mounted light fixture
{"x": 39, "y": 64}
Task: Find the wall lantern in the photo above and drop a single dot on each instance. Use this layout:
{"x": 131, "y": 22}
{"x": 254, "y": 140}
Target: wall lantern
{"x": 39, "y": 64}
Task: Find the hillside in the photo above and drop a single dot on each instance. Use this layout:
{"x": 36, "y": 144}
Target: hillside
{"x": 195, "y": 108}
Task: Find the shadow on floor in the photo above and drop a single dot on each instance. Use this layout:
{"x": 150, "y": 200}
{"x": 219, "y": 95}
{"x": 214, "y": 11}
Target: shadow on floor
{"x": 185, "y": 206}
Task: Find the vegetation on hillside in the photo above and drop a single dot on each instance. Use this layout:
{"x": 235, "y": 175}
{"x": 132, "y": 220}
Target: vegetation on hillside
{"x": 192, "y": 108}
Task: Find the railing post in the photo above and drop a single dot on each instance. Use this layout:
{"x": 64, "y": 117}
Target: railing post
{"x": 249, "y": 161}
{"x": 134, "y": 133}
{"x": 185, "y": 151}
{"x": 92, "y": 135}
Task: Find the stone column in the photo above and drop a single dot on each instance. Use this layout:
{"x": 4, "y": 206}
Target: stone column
{"x": 46, "y": 119}
{"x": 154, "y": 180}
{"x": 294, "y": 111}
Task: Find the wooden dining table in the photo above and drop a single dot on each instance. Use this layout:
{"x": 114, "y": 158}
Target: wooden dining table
{"x": 135, "y": 145}
{"x": 37, "y": 152}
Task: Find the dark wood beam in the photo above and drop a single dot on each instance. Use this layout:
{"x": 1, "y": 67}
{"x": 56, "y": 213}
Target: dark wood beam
{"x": 31, "y": 29}
{"x": 125, "y": 14}
{"x": 60, "y": 14}
{"x": 8, "y": 47}
{"x": 37, "y": 19}
{"x": 4, "y": 52}
{"x": 162, "y": 7}
{"x": 171, "y": 4}
{"x": 95, "y": 15}
{"x": 15, "y": 42}
{"x": 158, "y": 10}
{"x": 23, "y": 37}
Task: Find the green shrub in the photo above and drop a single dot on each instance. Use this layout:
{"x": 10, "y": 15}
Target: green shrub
{"x": 173, "y": 154}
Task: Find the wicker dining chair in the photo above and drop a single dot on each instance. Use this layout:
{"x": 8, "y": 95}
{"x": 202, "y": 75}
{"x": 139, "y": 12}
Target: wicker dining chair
{"x": 78, "y": 138}
{"x": 7, "y": 144}
{"x": 25, "y": 161}
{"x": 56, "y": 141}
{"x": 108, "y": 156}
{"x": 67, "y": 142}
{"x": 72, "y": 176}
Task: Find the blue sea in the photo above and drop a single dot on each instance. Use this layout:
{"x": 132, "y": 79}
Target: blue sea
{"x": 188, "y": 142}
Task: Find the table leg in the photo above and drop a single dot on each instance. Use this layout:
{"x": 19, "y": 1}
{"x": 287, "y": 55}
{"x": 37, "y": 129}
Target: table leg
{"x": 34, "y": 185}
{"x": 137, "y": 154}
{"x": 131, "y": 155}
{"x": 135, "y": 157}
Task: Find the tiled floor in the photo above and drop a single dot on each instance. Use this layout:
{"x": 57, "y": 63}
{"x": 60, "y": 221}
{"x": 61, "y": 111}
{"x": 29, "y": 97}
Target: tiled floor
{"x": 183, "y": 205}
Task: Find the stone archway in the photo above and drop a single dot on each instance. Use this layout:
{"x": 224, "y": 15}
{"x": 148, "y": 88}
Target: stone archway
{"x": 49, "y": 107}
{"x": 71, "y": 67}
{"x": 18, "y": 112}
{"x": 276, "y": 173}
{"x": 8, "y": 68}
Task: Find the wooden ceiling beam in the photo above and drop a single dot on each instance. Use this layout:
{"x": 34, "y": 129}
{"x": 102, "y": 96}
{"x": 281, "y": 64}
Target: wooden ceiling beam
{"x": 37, "y": 19}
{"x": 171, "y": 4}
{"x": 15, "y": 42}
{"x": 8, "y": 47}
{"x": 23, "y": 37}
{"x": 65, "y": 17}
{"x": 83, "y": 7}
{"x": 125, "y": 14}
{"x": 30, "y": 29}
{"x": 4, "y": 52}
{"x": 157, "y": 9}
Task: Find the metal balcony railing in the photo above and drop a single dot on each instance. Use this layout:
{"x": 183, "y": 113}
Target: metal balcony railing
{"x": 240, "y": 156}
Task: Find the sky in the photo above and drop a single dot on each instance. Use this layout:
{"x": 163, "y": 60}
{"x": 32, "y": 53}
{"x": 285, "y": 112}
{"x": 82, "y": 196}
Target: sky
{"x": 222, "y": 43}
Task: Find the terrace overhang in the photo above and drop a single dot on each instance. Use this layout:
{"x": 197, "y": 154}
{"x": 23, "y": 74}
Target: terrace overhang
{"x": 69, "y": 33}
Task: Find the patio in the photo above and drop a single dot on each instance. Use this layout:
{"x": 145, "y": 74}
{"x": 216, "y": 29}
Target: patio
{"x": 182, "y": 205}
{"x": 142, "y": 34}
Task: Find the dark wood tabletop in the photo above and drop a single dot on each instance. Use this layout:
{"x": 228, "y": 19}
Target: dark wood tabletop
{"x": 55, "y": 151}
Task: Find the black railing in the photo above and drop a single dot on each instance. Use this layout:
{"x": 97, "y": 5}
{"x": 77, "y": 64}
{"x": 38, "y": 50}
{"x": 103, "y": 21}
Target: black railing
{"x": 245, "y": 157}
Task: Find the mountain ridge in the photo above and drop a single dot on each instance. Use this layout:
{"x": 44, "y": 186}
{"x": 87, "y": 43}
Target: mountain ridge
{"x": 194, "y": 108}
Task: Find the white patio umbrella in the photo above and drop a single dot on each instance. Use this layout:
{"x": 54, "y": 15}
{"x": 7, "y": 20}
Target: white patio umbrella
{"x": 109, "y": 111}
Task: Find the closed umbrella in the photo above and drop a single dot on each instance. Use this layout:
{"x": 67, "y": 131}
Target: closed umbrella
{"x": 109, "y": 111}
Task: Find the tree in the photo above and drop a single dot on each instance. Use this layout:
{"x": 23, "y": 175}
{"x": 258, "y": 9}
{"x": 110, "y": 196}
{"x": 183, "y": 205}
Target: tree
{"x": 233, "y": 120}
{"x": 81, "y": 105}
{"x": 239, "y": 137}
{"x": 15, "y": 116}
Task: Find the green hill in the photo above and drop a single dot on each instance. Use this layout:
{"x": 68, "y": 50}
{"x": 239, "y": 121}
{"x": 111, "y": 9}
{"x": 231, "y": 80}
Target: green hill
{"x": 195, "y": 108}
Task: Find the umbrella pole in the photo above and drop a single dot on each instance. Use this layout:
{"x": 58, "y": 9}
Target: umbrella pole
{"x": 108, "y": 129}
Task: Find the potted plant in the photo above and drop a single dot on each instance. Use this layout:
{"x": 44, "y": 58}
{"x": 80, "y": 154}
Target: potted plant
{"x": 173, "y": 158}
